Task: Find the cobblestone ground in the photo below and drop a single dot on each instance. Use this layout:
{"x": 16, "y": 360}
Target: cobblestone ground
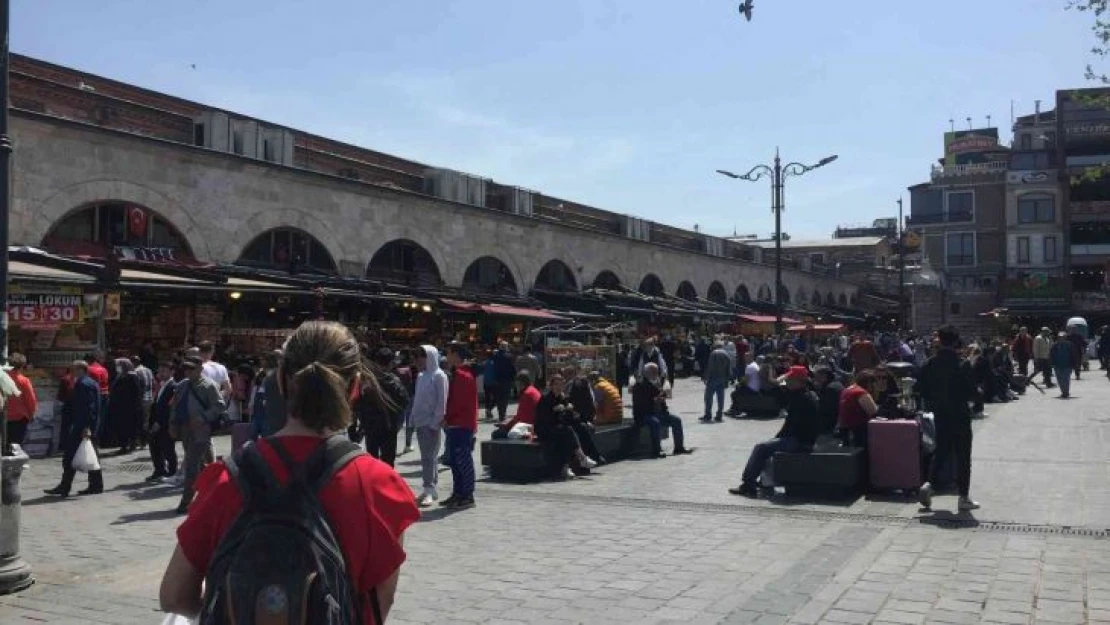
{"x": 662, "y": 541}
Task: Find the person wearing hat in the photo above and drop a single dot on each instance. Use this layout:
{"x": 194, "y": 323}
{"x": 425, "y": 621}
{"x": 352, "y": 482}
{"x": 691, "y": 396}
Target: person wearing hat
{"x": 198, "y": 404}
{"x": 1042, "y": 344}
{"x": 799, "y": 430}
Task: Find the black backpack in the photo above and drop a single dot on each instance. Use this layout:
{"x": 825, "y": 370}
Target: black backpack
{"x": 280, "y": 561}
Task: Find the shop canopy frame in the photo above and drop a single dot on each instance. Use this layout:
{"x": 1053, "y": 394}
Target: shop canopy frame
{"x": 619, "y": 327}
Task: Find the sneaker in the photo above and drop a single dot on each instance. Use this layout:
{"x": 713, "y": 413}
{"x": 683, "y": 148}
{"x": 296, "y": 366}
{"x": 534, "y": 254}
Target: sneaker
{"x": 425, "y": 500}
{"x": 967, "y": 505}
{"x": 569, "y": 474}
{"x": 406, "y": 450}
{"x": 925, "y": 496}
{"x": 157, "y": 477}
{"x": 590, "y": 463}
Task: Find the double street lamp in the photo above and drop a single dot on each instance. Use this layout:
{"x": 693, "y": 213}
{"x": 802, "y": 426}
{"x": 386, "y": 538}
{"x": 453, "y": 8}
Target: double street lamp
{"x": 778, "y": 174}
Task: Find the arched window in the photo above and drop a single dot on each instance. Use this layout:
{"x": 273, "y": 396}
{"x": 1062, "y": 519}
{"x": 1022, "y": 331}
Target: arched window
{"x": 404, "y": 262}
{"x": 764, "y": 293}
{"x": 815, "y": 300}
{"x": 652, "y": 285}
{"x": 717, "y": 293}
{"x": 686, "y": 291}
{"x": 125, "y": 229}
{"x": 489, "y": 274}
{"x": 842, "y": 301}
{"x": 830, "y": 299}
{"x": 607, "y": 280}
{"x": 741, "y": 295}
{"x": 785, "y": 295}
{"x": 287, "y": 249}
{"x": 556, "y": 276}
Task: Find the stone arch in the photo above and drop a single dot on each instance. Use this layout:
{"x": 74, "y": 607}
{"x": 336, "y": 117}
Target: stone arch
{"x": 815, "y": 299}
{"x": 404, "y": 261}
{"x": 287, "y": 249}
{"x": 800, "y": 296}
{"x": 830, "y": 299}
{"x": 90, "y": 230}
{"x": 556, "y": 275}
{"x": 741, "y": 296}
{"x": 297, "y": 219}
{"x": 842, "y": 301}
{"x": 785, "y": 295}
{"x": 764, "y": 293}
{"x": 490, "y": 274}
{"x": 42, "y": 216}
{"x": 853, "y": 301}
{"x": 652, "y": 285}
{"x": 686, "y": 291}
{"x": 607, "y": 280}
{"x": 717, "y": 293}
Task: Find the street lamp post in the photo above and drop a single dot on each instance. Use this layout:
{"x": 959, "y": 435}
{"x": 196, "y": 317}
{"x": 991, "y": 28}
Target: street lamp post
{"x": 778, "y": 174}
{"x": 15, "y": 575}
{"x": 901, "y": 271}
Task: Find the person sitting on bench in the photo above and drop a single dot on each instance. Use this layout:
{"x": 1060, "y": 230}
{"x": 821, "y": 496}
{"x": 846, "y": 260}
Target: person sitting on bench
{"x": 858, "y": 407}
{"x": 649, "y": 407}
{"x": 525, "y": 408}
{"x": 555, "y": 430}
{"x": 799, "y": 431}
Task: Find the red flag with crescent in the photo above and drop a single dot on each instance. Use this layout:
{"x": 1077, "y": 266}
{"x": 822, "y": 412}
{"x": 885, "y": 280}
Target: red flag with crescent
{"x": 136, "y": 217}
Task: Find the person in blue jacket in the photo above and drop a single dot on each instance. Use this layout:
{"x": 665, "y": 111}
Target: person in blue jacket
{"x": 80, "y": 417}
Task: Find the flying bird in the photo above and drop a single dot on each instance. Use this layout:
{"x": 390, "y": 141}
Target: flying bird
{"x": 746, "y": 9}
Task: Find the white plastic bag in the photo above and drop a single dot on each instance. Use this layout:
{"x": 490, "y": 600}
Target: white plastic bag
{"x": 177, "y": 619}
{"x": 85, "y": 459}
{"x": 520, "y": 430}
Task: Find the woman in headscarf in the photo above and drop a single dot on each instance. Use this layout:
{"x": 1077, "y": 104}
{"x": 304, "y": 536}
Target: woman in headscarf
{"x": 125, "y": 406}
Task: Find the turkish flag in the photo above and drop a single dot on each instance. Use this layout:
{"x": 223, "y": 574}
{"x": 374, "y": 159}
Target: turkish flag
{"x": 136, "y": 218}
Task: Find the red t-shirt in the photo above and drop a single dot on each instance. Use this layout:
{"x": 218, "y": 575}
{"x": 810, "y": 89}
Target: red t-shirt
{"x": 851, "y": 414}
{"x": 526, "y": 407}
{"x": 370, "y": 537}
{"x": 462, "y": 401}
{"x": 99, "y": 375}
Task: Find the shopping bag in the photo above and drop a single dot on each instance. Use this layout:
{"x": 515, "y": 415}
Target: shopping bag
{"x": 177, "y": 619}
{"x": 85, "y": 459}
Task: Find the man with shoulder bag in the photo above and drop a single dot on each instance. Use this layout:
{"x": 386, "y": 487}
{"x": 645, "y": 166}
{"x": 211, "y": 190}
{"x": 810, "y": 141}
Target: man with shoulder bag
{"x": 198, "y": 407}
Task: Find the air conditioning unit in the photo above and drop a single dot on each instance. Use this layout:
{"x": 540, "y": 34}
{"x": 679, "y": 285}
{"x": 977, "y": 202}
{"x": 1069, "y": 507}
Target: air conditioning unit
{"x": 636, "y": 228}
{"x": 520, "y": 201}
{"x": 455, "y": 186}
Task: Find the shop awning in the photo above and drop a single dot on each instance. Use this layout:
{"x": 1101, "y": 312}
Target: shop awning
{"x": 819, "y": 327}
{"x": 129, "y": 276}
{"x": 460, "y": 305}
{"x": 766, "y": 319}
{"x": 522, "y": 313}
{"x": 29, "y": 271}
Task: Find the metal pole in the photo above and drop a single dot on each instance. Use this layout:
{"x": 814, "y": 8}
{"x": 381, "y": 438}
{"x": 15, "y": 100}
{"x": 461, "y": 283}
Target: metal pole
{"x": 777, "y": 201}
{"x": 901, "y": 272}
{"x": 15, "y": 575}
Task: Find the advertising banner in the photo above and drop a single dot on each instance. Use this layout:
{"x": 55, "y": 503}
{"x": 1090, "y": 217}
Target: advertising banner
{"x": 33, "y": 309}
{"x": 1036, "y": 290}
{"x": 587, "y": 358}
{"x": 965, "y": 147}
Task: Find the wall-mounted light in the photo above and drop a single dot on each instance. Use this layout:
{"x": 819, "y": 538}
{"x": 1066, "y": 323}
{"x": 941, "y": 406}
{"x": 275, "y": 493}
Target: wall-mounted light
{"x": 235, "y": 295}
{"x": 427, "y": 308}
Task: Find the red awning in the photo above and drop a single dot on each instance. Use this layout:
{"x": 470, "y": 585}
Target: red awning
{"x": 766, "y": 319}
{"x": 523, "y": 313}
{"x": 461, "y": 306}
{"x": 820, "y": 327}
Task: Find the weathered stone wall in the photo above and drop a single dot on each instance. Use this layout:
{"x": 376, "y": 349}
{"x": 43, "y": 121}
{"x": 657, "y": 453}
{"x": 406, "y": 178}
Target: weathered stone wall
{"x": 220, "y": 202}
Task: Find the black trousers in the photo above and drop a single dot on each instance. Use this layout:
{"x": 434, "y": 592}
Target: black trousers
{"x": 163, "y": 452}
{"x": 382, "y": 444}
{"x": 96, "y": 478}
{"x": 953, "y": 441}
{"x": 16, "y": 432}
{"x": 585, "y": 434}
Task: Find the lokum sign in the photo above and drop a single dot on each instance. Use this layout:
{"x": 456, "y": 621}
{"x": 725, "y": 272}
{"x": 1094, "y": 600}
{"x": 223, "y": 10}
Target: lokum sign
{"x": 44, "y": 310}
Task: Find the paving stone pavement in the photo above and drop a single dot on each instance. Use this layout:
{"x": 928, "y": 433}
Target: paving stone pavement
{"x": 661, "y": 541}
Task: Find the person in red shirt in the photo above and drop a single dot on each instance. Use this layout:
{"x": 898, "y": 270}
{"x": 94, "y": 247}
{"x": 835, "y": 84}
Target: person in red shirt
{"x": 98, "y": 373}
{"x": 857, "y": 407}
{"x": 21, "y": 410}
{"x": 367, "y": 505}
{"x": 525, "y": 406}
{"x": 460, "y": 423}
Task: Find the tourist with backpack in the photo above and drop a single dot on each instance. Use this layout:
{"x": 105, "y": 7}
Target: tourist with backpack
{"x": 305, "y": 525}
{"x": 380, "y": 420}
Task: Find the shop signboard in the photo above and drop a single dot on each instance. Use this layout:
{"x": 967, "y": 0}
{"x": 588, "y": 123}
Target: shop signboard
{"x": 966, "y": 147}
{"x": 45, "y": 309}
{"x": 1035, "y": 290}
{"x": 586, "y": 358}
{"x": 1090, "y": 208}
{"x": 1090, "y": 301}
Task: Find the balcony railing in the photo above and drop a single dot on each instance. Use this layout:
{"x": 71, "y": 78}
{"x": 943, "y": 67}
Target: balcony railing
{"x": 970, "y": 169}
{"x": 949, "y": 217}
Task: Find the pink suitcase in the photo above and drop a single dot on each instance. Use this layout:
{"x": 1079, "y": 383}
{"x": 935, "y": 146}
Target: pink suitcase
{"x": 894, "y": 450}
{"x": 240, "y": 434}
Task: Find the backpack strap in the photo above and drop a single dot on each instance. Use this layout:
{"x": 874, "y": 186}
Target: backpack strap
{"x": 252, "y": 474}
{"x": 336, "y": 452}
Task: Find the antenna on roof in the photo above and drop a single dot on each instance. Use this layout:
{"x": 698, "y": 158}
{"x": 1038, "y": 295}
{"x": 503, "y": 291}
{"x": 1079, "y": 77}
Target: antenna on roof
{"x": 988, "y": 120}
{"x": 969, "y": 122}
{"x": 952, "y": 124}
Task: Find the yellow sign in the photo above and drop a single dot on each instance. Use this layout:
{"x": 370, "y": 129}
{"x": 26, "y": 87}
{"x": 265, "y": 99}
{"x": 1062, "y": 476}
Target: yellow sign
{"x": 112, "y": 307}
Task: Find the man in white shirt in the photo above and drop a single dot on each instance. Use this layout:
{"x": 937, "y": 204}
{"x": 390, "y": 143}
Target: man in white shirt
{"x": 213, "y": 370}
{"x": 751, "y": 374}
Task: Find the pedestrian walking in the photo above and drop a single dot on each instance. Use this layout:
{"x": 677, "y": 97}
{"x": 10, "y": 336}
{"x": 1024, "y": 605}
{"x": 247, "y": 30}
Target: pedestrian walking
{"x": 1063, "y": 358}
{"x": 163, "y": 452}
{"x": 1042, "y": 345}
{"x": 21, "y": 409}
{"x": 80, "y": 415}
{"x": 197, "y": 407}
{"x": 947, "y": 388}
{"x": 718, "y": 373}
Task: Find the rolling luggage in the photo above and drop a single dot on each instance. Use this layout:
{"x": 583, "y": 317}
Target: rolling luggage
{"x": 894, "y": 451}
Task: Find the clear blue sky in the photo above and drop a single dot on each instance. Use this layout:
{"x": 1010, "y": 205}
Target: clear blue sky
{"x": 627, "y": 105}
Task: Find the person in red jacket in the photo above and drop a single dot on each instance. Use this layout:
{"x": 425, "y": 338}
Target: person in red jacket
{"x": 21, "y": 409}
{"x": 525, "y": 408}
{"x": 460, "y": 424}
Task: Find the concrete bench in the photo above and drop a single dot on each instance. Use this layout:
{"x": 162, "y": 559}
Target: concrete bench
{"x": 834, "y": 474}
{"x": 518, "y": 460}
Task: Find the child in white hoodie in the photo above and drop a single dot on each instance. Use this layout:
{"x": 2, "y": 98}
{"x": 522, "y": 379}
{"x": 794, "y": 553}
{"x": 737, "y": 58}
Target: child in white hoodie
{"x": 429, "y": 404}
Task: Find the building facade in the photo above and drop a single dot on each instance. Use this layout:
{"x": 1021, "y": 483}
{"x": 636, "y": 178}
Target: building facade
{"x": 104, "y": 168}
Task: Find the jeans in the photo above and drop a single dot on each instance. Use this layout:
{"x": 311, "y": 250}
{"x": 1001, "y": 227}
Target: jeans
{"x": 460, "y": 456}
{"x": 953, "y": 434}
{"x": 196, "y": 458}
{"x": 715, "y": 387}
{"x": 762, "y": 452}
{"x": 1043, "y": 366}
{"x": 1063, "y": 378}
{"x": 428, "y": 440}
{"x": 656, "y": 423}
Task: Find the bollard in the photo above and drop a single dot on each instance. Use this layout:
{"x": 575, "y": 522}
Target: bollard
{"x": 15, "y": 575}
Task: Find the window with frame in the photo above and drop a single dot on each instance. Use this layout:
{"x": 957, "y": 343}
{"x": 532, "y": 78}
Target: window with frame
{"x": 1026, "y": 141}
{"x": 1050, "y": 253}
{"x": 960, "y": 249}
{"x": 1036, "y": 209}
{"x": 960, "y": 205}
{"x": 1023, "y": 250}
